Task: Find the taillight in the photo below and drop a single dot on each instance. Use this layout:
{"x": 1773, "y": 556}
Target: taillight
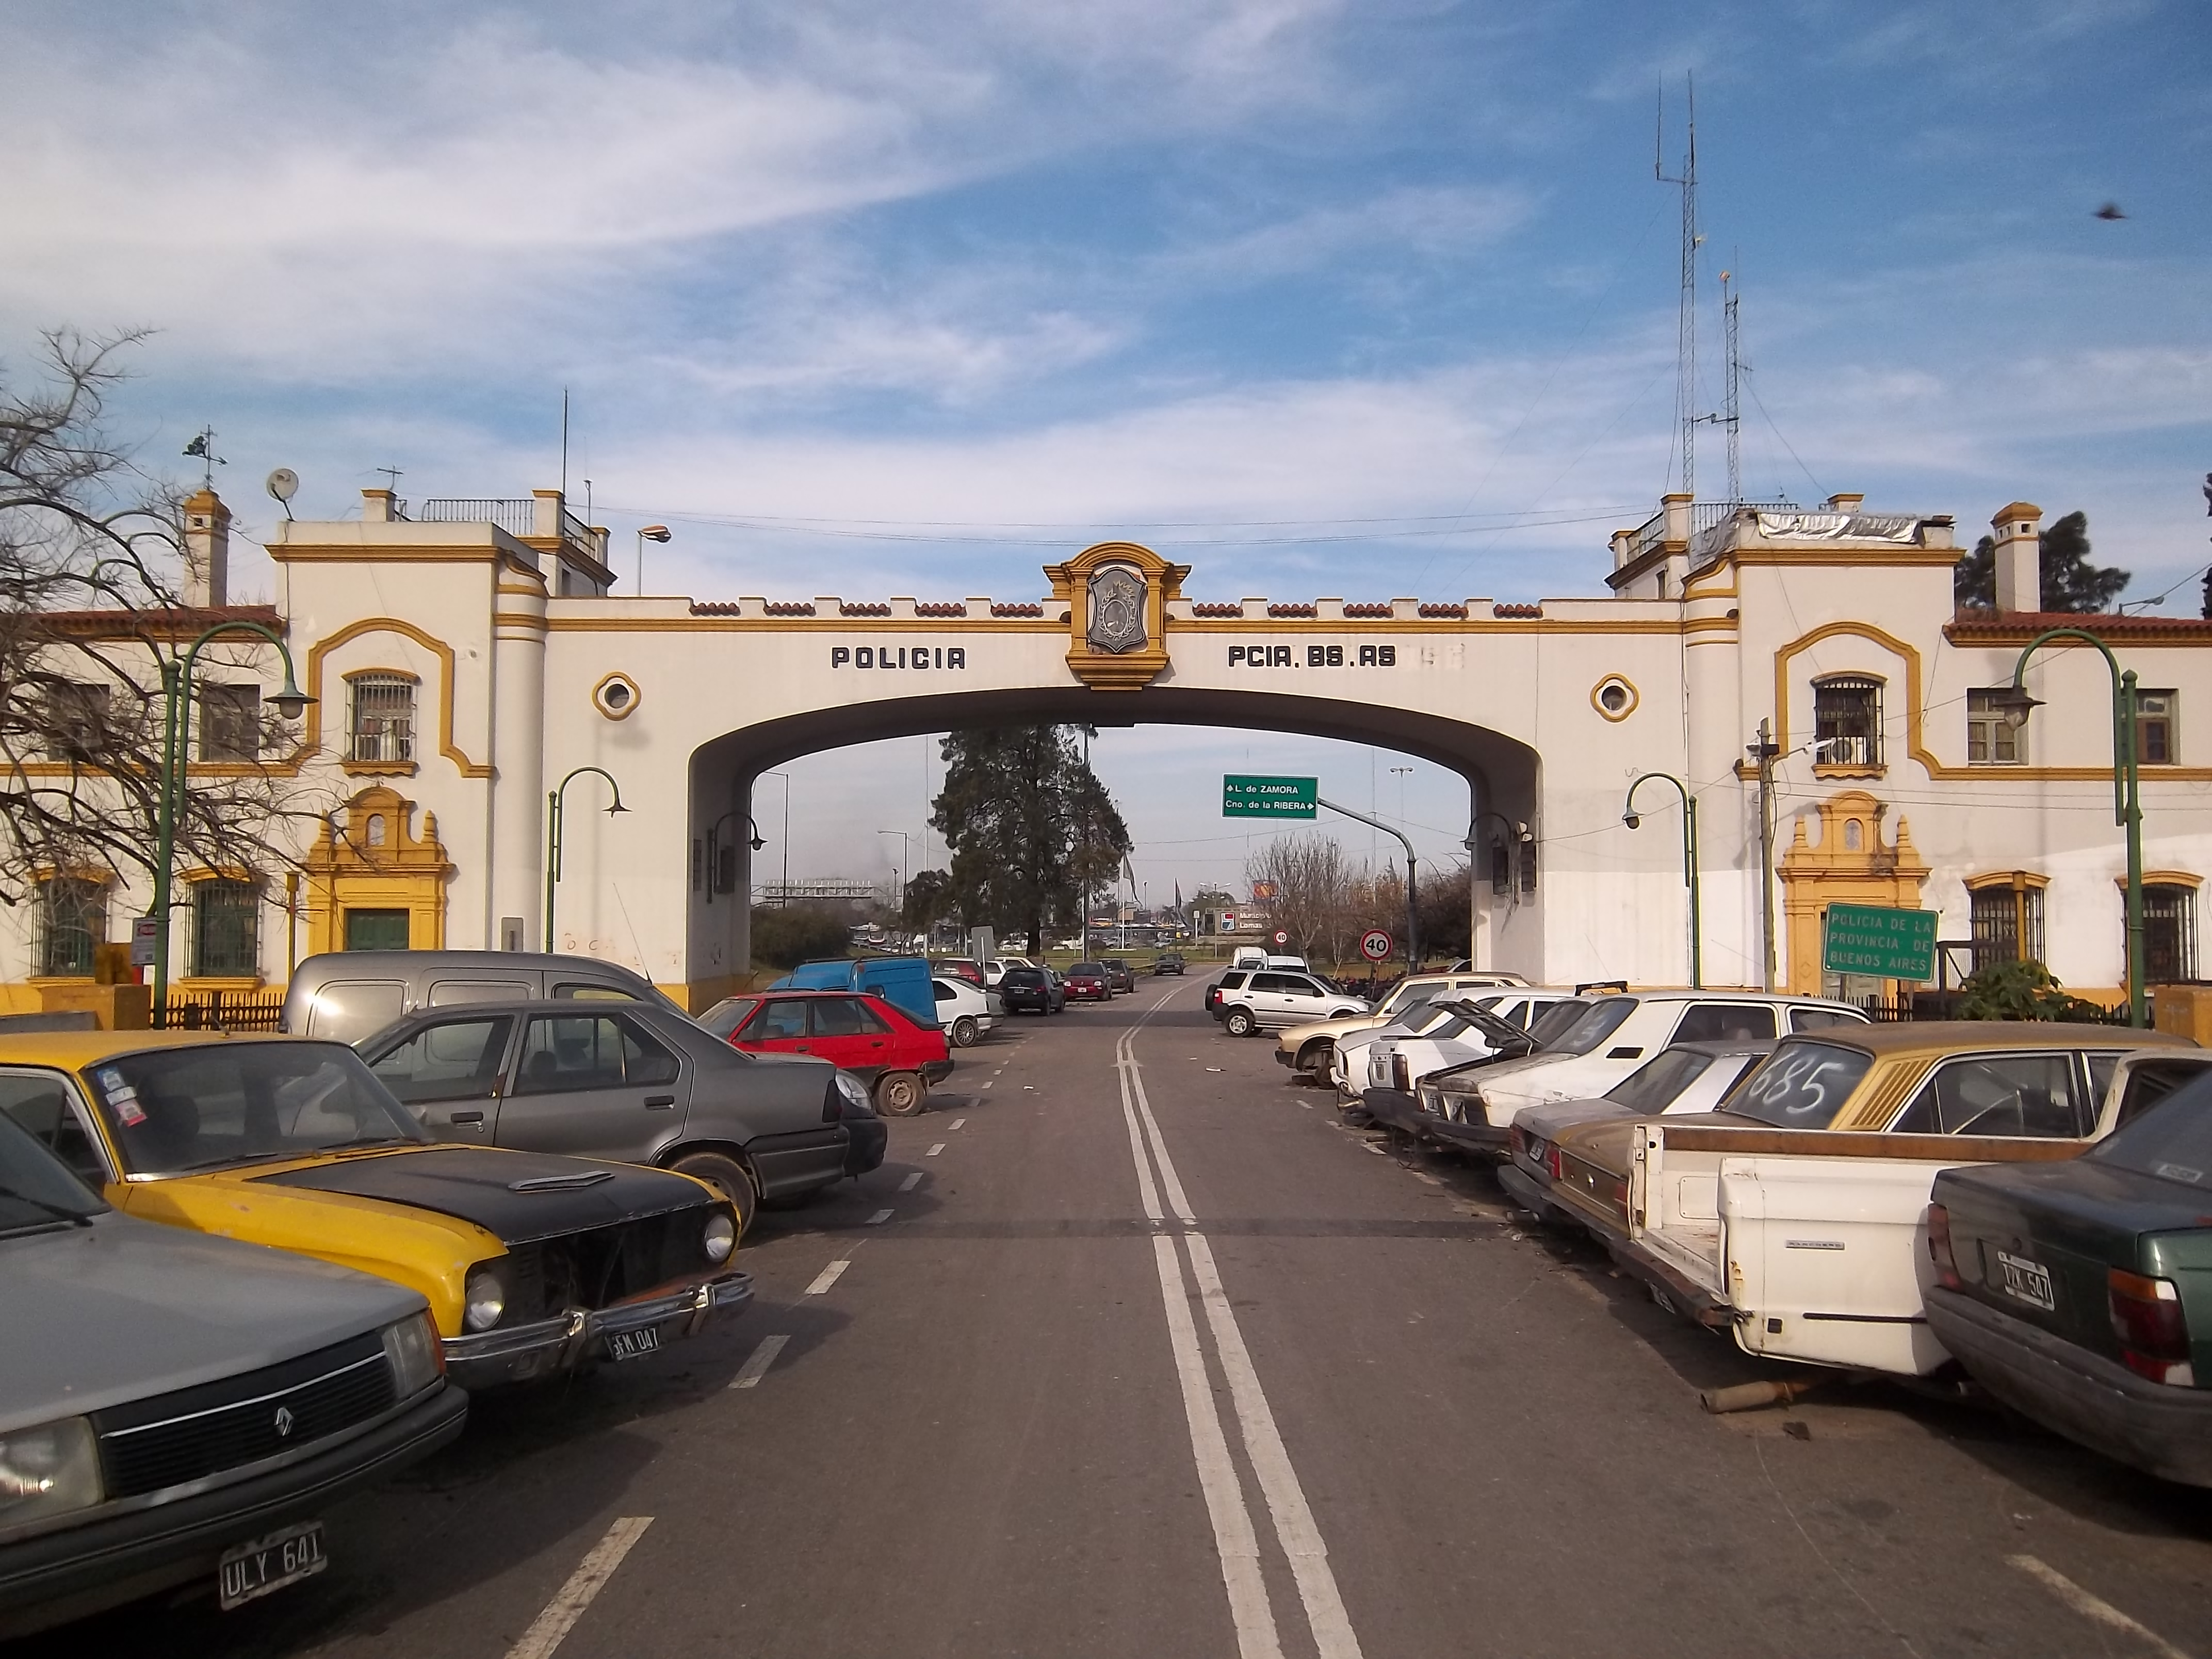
{"x": 1517, "y": 1142}
{"x": 1554, "y": 1165}
{"x": 1938, "y": 1249}
{"x": 2154, "y": 1333}
{"x": 1399, "y": 1080}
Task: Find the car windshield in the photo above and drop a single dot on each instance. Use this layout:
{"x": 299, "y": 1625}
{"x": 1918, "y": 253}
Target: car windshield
{"x": 1421, "y": 1021}
{"x": 2171, "y": 1140}
{"x": 36, "y": 1188}
{"x": 1593, "y": 1024}
{"x": 726, "y": 1016}
{"x": 1802, "y": 1085}
{"x": 1553, "y": 1022}
{"x": 1655, "y": 1085}
{"x": 176, "y": 1109}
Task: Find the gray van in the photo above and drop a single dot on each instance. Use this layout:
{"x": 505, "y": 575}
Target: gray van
{"x": 348, "y": 995}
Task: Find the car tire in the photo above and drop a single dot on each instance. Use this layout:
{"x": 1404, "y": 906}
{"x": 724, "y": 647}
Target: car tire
{"x": 1313, "y": 1056}
{"x": 1240, "y": 1022}
{"x": 900, "y": 1094}
{"x": 963, "y": 1031}
{"x": 729, "y": 1177}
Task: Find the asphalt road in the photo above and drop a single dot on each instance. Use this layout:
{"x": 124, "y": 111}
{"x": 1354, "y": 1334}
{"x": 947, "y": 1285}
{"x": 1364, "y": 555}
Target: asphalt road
{"x": 1328, "y": 1403}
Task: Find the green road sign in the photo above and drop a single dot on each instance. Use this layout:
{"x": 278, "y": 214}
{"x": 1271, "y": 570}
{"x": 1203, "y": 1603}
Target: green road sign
{"x": 1268, "y": 798}
{"x": 1880, "y": 942}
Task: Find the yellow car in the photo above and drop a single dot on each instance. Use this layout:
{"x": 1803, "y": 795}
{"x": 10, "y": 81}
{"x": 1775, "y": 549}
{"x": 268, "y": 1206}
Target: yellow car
{"x": 531, "y": 1264}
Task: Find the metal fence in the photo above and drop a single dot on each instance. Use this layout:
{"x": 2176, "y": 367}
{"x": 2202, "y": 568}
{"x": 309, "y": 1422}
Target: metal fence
{"x": 224, "y": 1011}
{"x": 1944, "y": 1004}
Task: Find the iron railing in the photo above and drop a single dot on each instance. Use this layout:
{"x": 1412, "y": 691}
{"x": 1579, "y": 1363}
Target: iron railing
{"x": 224, "y": 1011}
{"x": 516, "y": 517}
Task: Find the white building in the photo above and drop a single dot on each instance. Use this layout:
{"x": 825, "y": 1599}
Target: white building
{"x": 469, "y": 657}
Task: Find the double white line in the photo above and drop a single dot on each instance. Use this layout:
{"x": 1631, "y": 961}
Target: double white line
{"x": 1234, "y": 1536}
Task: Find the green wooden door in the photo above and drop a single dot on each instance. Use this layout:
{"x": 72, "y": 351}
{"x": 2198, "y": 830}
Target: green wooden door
{"x": 376, "y": 930}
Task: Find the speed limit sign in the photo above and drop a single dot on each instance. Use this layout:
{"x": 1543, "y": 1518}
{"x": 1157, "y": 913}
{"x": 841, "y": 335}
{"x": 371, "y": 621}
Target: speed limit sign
{"x": 1281, "y": 938}
{"x": 1375, "y": 944}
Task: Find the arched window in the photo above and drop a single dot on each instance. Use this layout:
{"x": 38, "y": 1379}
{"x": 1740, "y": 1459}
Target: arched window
{"x": 1847, "y": 720}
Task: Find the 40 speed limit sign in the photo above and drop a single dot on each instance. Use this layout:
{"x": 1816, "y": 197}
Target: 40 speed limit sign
{"x": 1375, "y": 944}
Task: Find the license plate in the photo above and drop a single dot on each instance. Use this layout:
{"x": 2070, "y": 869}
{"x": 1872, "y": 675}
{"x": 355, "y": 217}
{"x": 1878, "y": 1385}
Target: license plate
{"x": 2027, "y": 1281}
{"x": 251, "y": 1571}
{"x": 634, "y": 1345}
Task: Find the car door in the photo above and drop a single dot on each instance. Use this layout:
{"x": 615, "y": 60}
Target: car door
{"x": 1268, "y": 997}
{"x": 778, "y": 1027}
{"x": 848, "y": 1033}
{"x": 592, "y": 1085}
{"x": 448, "y": 1073}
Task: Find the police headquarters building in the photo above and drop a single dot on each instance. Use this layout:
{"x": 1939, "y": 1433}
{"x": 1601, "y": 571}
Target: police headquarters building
{"x": 466, "y": 656}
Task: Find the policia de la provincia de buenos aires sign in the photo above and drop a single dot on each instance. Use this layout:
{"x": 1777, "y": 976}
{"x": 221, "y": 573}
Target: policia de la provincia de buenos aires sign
{"x": 1243, "y": 797}
{"x": 1880, "y": 942}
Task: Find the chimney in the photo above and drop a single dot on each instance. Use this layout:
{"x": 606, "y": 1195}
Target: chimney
{"x": 2017, "y": 532}
{"x": 1844, "y": 502}
{"x": 207, "y": 550}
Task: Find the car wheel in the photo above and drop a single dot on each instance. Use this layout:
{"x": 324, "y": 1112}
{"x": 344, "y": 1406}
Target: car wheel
{"x": 963, "y": 1031}
{"x": 1240, "y": 1022}
{"x": 1314, "y": 1057}
{"x": 729, "y": 1177}
{"x": 900, "y": 1094}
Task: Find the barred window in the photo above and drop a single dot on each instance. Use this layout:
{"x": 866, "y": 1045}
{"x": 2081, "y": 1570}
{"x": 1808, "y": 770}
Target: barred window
{"x": 2169, "y": 932}
{"x": 1847, "y": 719}
{"x": 78, "y": 718}
{"x": 383, "y": 718}
{"x": 225, "y": 929}
{"x": 72, "y": 918}
{"x": 230, "y": 722}
{"x": 2007, "y": 923}
{"x": 1990, "y": 741}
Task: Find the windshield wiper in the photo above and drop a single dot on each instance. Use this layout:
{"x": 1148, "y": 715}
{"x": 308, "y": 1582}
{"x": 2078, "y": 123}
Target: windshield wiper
{"x": 60, "y": 1213}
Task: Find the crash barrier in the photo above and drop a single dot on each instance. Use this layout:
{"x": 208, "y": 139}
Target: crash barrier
{"x": 225, "y": 1011}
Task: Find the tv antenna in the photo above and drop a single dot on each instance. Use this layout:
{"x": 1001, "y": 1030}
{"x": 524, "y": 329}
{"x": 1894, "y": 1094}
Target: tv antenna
{"x": 1686, "y": 365}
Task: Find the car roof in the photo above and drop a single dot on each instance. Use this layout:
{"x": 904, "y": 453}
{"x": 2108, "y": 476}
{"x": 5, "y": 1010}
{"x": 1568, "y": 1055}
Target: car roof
{"x": 78, "y": 1049}
{"x": 1945, "y": 1036}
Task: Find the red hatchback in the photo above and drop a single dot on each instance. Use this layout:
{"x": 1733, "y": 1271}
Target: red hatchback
{"x": 898, "y": 1057}
{"x": 1087, "y": 982}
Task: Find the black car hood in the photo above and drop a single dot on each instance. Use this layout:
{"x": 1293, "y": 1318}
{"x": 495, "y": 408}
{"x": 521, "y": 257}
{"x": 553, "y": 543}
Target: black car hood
{"x": 479, "y": 1184}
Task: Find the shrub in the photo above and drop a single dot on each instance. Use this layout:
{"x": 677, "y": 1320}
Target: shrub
{"x": 786, "y": 935}
{"x": 2021, "y": 990}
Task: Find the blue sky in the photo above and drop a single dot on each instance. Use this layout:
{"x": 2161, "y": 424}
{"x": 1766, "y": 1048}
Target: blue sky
{"x": 1368, "y": 299}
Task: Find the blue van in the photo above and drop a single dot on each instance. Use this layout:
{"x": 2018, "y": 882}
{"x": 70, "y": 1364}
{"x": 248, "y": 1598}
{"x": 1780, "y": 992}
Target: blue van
{"x": 902, "y": 981}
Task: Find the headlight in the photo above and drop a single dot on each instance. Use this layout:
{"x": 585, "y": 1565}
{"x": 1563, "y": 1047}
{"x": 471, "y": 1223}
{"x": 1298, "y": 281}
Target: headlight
{"x": 484, "y": 1299}
{"x": 720, "y": 1237}
{"x": 417, "y": 1357}
{"x": 48, "y": 1470}
{"x": 857, "y": 1103}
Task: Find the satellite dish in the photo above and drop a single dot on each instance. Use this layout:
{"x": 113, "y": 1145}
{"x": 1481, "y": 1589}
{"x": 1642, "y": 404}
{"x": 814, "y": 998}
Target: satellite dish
{"x": 283, "y": 483}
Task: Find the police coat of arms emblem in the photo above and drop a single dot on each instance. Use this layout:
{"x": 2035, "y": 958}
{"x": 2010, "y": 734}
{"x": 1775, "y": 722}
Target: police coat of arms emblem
{"x": 1117, "y": 609}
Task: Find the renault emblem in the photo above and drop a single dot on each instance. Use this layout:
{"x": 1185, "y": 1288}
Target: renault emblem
{"x": 284, "y": 1420}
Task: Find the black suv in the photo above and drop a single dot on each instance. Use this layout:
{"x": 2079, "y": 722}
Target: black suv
{"x": 1032, "y": 990}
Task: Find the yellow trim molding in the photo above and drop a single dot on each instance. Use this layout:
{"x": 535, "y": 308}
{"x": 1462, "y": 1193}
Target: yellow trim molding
{"x": 438, "y": 647}
{"x": 1836, "y": 872}
{"x": 404, "y": 871}
{"x": 1597, "y": 698}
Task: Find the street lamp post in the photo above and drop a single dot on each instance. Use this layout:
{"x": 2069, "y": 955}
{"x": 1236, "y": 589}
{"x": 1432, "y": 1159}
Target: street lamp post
{"x": 1628, "y": 815}
{"x": 903, "y": 839}
{"x": 652, "y": 533}
{"x": 785, "y": 777}
{"x": 553, "y": 807}
{"x": 290, "y": 702}
{"x": 715, "y": 848}
{"x": 2015, "y": 705}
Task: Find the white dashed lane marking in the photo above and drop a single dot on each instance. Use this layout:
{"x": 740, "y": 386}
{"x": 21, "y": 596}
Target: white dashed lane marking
{"x": 2094, "y": 1608}
{"x": 880, "y": 1217}
{"x": 756, "y": 1364}
{"x": 911, "y": 1182}
{"x": 935, "y": 1150}
{"x": 827, "y": 1277}
{"x": 955, "y": 1123}
{"x": 590, "y": 1577}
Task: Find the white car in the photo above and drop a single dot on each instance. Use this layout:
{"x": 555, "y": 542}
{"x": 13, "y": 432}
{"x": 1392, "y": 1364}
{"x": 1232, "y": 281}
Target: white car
{"x": 964, "y": 1012}
{"x": 1467, "y": 1033}
{"x": 1614, "y": 1035}
{"x": 1347, "y": 1061}
{"x": 1266, "y": 1000}
{"x": 1306, "y": 1048}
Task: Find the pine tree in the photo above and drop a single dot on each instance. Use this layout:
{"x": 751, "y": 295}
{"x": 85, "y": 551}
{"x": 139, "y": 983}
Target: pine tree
{"x": 2070, "y": 581}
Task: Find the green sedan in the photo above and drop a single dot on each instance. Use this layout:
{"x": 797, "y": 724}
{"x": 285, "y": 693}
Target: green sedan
{"x": 2080, "y": 1293}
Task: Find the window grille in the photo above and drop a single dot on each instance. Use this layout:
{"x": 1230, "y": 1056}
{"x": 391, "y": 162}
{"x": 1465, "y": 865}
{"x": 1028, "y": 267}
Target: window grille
{"x": 1990, "y": 740}
{"x": 78, "y": 718}
{"x": 2156, "y": 741}
{"x": 72, "y": 918}
{"x": 1847, "y": 720}
{"x": 2007, "y": 924}
{"x": 230, "y": 722}
{"x": 383, "y": 718}
{"x": 225, "y": 929}
{"x": 2169, "y": 932}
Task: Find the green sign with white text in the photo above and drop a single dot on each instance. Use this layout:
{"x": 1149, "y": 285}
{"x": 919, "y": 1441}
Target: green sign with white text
{"x": 1268, "y": 798}
{"x": 1879, "y": 942}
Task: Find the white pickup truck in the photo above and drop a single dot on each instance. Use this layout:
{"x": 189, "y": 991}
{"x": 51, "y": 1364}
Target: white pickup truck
{"x": 1796, "y": 1218}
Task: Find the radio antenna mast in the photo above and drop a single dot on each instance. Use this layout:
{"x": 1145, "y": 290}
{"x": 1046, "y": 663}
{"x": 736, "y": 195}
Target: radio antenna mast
{"x": 1686, "y": 367}
{"x": 1729, "y": 417}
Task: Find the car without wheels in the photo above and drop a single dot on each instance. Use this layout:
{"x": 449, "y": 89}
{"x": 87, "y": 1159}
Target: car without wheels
{"x": 871, "y": 1038}
{"x": 630, "y": 1082}
{"x": 179, "y": 1410}
{"x": 533, "y": 1264}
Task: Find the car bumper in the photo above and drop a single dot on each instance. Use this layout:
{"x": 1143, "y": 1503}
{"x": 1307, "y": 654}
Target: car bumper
{"x": 1530, "y": 1193}
{"x": 1484, "y": 1138}
{"x": 2095, "y": 1401}
{"x": 1397, "y": 1109}
{"x": 1286, "y": 1057}
{"x": 867, "y": 1138}
{"x": 936, "y": 1070}
{"x": 105, "y": 1563}
{"x": 547, "y": 1347}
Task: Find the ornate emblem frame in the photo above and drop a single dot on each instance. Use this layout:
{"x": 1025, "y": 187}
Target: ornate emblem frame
{"x": 1125, "y": 671}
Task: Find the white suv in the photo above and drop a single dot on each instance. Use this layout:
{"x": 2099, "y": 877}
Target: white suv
{"x": 1267, "y": 999}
